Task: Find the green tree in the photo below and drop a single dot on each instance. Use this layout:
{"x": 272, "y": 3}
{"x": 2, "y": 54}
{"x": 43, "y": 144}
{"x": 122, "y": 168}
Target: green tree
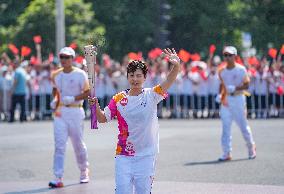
{"x": 39, "y": 18}
{"x": 130, "y": 25}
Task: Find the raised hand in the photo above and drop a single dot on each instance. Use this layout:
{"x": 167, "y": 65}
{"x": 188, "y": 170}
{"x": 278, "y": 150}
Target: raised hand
{"x": 172, "y": 55}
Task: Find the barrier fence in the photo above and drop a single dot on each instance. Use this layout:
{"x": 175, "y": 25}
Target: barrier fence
{"x": 175, "y": 106}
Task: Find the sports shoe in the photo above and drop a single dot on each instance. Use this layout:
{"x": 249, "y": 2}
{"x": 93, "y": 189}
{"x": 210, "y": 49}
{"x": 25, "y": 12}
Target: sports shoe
{"x": 252, "y": 151}
{"x": 225, "y": 157}
{"x": 57, "y": 183}
{"x": 84, "y": 178}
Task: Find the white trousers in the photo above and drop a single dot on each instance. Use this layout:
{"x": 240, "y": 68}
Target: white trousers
{"x": 236, "y": 110}
{"x": 64, "y": 127}
{"x": 134, "y": 174}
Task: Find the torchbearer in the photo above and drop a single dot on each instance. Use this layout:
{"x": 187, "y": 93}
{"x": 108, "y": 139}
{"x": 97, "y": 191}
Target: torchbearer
{"x": 138, "y": 139}
{"x": 70, "y": 88}
{"x": 234, "y": 83}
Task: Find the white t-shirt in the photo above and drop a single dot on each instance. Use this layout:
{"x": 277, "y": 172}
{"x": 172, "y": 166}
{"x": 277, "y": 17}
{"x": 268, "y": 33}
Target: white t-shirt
{"x": 186, "y": 85}
{"x": 261, "y": 83}
{"x": 137, "y": 121}
{"x": 35, "y": 82}
{"x": 45, "y": 83}
{"x": 175, "y": 88}
{"x": 100, "y": 86}
{"x": 213, "y": 84}
{"x": 70, "y": 84}
{"x": 110, "y": 89}
{"x": 235, "y": 76}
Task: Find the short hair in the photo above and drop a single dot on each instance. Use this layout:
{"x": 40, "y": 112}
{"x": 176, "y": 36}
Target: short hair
{"x": 137, "y": 64}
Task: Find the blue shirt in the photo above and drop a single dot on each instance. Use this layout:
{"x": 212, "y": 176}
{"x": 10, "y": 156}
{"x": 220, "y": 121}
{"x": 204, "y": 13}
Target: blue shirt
{"x": 21, "y": 77}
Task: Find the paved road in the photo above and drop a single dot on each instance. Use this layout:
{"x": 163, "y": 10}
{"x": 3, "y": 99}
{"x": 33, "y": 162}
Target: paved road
{"x": 186, "y": 164}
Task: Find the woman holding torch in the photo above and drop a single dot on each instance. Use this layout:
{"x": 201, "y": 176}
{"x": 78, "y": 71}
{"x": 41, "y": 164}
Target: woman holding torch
{"x": 138, "y": 139}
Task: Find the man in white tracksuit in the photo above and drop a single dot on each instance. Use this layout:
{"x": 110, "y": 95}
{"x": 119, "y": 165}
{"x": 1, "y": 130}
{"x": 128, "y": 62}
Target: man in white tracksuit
{"x": 70, "y": 87}
{"x": 234, "y": 82}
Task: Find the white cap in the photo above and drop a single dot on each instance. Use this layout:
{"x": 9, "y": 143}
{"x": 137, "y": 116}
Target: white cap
{"x": 67, "y": 51}
{"x": 231, "y": 50}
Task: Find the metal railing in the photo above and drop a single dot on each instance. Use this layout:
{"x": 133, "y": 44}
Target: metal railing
{"x": 175, "y": 106}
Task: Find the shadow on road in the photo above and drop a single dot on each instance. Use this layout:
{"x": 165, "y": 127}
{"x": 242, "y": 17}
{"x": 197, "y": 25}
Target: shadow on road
{"x": 41, "y": 190}
{"x": 214, "y": 162}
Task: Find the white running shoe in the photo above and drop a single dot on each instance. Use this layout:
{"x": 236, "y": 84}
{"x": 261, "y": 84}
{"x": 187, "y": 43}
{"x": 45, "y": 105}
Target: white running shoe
{"x": 225, "y": 157}
{"x": 84, "y": 178}
{"x": 252, "y": 151}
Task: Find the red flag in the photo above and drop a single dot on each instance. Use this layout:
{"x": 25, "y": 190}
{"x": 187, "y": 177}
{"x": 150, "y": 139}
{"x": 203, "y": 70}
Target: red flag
{"x": 50, "y": 57}
{"x": 13, "y": 49}
{"x": 253, "y": 61}
{"x": 195, "y": 57}
{"x": 154, "y": 53}
{"x": 282, "y": 49}
{"x": 203, "y": 74}
{"x": 79, "y": 59}
{"x": 194, "y": 69}
{"x": 252, "y": 71}
{"x": 37, "y": 39}
{"x": 25, "y": 51}
{"x": 34, "y": 60}
{"x": 280, "y": 90}
{"x": 239, "y": 60}
{"x": 139, "y": 55}
{"x": 132, "y": 56}
{"x": 184, "y": 55}
{"x": 212, "y": 49}
{"x": 73, "y": 45}
{"x": 272, "y": 52}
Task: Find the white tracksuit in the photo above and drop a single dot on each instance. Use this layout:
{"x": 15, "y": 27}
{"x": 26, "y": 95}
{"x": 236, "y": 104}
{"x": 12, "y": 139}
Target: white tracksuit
{"x": 138, "y": 139}
{"x": 68, "y": 121}
{"x": 235, "y": 108}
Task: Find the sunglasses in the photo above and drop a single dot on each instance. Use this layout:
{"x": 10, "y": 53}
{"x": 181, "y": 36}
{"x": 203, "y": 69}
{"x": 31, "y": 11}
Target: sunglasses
{"x": 64, "y": 57}
{"x": 227, "y": 55}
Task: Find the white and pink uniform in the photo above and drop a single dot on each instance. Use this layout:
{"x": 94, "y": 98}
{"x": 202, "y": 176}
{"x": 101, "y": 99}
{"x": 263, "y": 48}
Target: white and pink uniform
{"x": 138, "y": 139}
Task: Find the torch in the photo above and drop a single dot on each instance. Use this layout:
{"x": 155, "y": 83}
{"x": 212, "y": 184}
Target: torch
{"x": 90, "y": 52}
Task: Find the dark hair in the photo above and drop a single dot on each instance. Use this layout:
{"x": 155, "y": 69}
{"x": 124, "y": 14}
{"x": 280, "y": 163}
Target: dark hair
{"x": 137, "y": 64}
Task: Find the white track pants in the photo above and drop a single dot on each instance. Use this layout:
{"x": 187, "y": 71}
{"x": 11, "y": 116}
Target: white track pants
{"x": 134, "y": 174}
{"x": 64, "y": 127}
{"x": 236, "y": 110}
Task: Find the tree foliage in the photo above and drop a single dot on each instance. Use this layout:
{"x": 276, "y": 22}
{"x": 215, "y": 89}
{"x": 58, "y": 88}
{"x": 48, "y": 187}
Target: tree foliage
{"x": 132, "y": 25}
{"x": 39, "y": 18}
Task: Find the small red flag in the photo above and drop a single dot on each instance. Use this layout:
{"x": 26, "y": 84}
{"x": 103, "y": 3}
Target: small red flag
{"x": 139, "y": 55}
{"x": 252, "y": 71}
{"x": 184, "y": 55}
{"x": 34, "y": 60}
{"x": 195, "y": 57}
{"x": 272, "y": 52}
{"x": 79, "y": 59}
{"x": 212, "y": 49}
{"x": 132, "y": 56}
{"x": 239, "y": 60}
{"x": 73, "y": 45}
{"x": 37, "y": 39}
{"x": 253, "y": 61}
{"x": 50, "y": 57}
{"x": 280, "y": 90}
{"x": 25, "y": 51}
{"x": 154, "y": 53}
{"x": 282, "y": 49}
{"x": 13, "y": 49}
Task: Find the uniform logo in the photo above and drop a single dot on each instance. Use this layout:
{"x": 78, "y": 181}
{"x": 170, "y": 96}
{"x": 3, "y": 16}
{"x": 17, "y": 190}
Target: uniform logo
{"x": 124, "y": 101}
{"x": 129, "y": 148}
